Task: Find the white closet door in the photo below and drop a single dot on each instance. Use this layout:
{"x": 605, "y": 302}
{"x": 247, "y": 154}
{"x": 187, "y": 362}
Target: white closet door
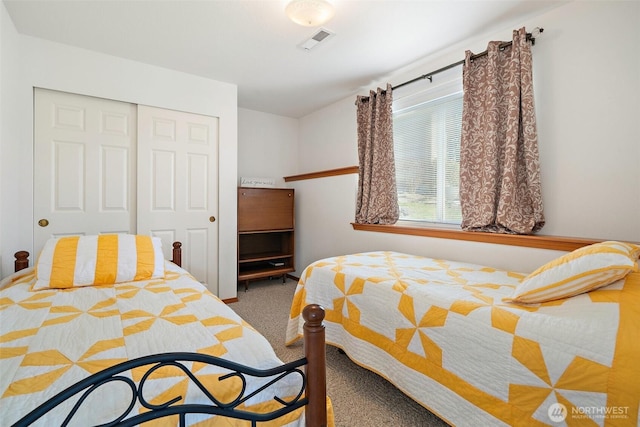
{"x": 178, "y": 186}
{"x": 84, "y": 166}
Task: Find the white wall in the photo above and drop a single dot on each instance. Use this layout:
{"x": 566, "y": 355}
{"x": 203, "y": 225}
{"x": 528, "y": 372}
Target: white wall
{"x": 9, "y": 57}
{"x": 267, "y": 145}
{"x": 30, "y": 62}
{"x": 587, "y": 87}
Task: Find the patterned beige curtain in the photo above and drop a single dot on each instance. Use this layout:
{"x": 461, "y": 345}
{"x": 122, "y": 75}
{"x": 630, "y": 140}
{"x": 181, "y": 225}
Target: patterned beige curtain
{"x": 377, "y": 201}
{"x": 499, "y": 167}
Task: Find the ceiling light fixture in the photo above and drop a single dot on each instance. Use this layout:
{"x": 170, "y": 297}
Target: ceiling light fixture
{"x": 309, "y": 13}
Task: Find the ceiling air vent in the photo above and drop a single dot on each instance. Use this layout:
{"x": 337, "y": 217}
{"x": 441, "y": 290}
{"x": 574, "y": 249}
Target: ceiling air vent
{"x": 321, "y": 36}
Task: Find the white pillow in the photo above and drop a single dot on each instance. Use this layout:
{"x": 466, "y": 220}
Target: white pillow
{"x": 105, "y": 259}
{"x": 580, "y": 271}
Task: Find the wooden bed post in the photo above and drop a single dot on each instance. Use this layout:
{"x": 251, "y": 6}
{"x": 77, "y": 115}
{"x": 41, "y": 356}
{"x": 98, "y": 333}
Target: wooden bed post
{"x": 314, "y": 349}
{"x": 177, "y": 254}
{"x": 22, "y": 260}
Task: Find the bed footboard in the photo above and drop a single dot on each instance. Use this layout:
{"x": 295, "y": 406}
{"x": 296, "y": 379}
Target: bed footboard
{"x": 312, "y": 391}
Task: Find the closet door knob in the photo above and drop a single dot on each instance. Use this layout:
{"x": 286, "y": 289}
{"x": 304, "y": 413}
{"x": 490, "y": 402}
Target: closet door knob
{"x": 43, "y": 222}
{"x": 212, "y": 219}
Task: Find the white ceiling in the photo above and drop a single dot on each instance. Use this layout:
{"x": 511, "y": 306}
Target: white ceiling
{"x": 253, "y": 45}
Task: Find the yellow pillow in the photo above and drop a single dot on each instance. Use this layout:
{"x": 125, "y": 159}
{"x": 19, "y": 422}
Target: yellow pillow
{"x": 580, "y": 271}
{"x": 106, "y": 259}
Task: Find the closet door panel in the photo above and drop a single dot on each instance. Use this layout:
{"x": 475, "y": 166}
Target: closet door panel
{"x": 178, "y": 185}
{"x": 84, "y": 166}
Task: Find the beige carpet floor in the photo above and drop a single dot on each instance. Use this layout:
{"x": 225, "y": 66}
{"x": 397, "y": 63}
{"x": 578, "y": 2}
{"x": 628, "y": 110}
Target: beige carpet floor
{"x": 360, "y": 398}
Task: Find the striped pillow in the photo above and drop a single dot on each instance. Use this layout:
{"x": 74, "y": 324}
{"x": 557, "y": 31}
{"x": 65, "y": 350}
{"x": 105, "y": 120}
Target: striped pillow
{"x": 98, "y": 260}
{"x": 580, "y": 271}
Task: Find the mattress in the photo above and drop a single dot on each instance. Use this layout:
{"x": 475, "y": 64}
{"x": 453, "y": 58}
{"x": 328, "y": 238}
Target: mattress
{"x": 440, "y": 331}
{"x": 52, "y": 338}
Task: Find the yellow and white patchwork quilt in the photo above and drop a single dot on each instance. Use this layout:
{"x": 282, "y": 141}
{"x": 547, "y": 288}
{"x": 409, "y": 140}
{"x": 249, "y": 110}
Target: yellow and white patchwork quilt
{"x": 52, "y": 338}
{"x": 440, "y": 331}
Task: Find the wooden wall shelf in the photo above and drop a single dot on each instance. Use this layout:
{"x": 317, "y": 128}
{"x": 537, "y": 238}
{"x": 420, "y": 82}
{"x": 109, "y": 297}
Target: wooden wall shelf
{"x": 323, "y": 174}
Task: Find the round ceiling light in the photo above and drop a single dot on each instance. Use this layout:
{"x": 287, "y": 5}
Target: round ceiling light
{"x": 309, "y": 13}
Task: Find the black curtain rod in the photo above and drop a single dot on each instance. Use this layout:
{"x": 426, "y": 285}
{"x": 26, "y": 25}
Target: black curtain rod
{"x": 530, "y": 37}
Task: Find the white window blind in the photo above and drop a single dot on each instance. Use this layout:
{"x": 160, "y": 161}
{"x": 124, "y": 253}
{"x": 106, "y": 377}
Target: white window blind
{"x": 427, "y": 153}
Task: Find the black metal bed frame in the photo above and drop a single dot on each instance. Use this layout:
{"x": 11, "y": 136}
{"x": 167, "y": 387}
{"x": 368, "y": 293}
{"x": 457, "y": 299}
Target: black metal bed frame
{"x": 157, "y": 361}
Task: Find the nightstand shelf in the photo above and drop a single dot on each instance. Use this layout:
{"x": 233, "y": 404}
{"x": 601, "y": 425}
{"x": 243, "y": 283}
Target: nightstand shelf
{"x": 264, "y": 256}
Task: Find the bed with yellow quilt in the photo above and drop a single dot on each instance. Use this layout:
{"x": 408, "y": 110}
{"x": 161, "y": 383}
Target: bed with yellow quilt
{"x": 95, "y": 302}
{"x": 479, "y": 346}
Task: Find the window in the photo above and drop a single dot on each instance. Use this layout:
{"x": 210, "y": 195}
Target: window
{"x": 426, "y": 132}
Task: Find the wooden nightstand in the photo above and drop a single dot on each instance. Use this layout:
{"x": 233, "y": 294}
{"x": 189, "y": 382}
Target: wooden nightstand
{"x": 266, "y": 226}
